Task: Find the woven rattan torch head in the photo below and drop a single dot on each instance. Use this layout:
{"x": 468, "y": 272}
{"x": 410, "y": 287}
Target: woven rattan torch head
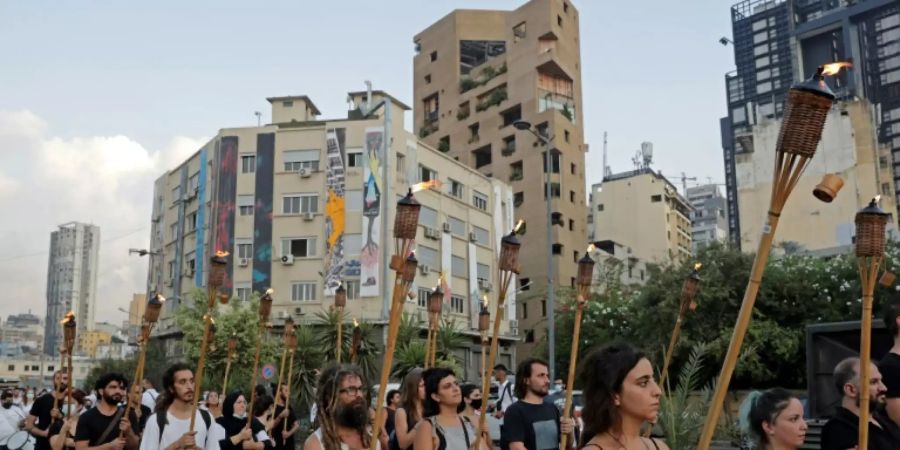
{"x": 804, "y": 116}
{"x": 870, "y": 225}
{"x": 217, "y": 265}
{"x": 406, "y": 220}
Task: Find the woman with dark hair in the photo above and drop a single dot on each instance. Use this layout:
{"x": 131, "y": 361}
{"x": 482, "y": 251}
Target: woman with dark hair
{"x": 234, "y": 420}
{"x": 471, "y": 404}
{"x": 443, "y": 427}
{"x": 773, "y": 419}
{"x": 412, "y": 393}
{"x": 62, "y": 433}
{"x": 620, "y": 394}
{"x": 213, "y": 404}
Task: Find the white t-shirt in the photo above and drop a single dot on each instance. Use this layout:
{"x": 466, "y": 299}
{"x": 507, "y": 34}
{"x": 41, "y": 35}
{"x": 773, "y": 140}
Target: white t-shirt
{"x": 176, "y": 428}
{"x": 505, "y": 396}
{"x": 6, "y": 429}
{"x": 12, "y": 415}
{"x": 149, "y": 398}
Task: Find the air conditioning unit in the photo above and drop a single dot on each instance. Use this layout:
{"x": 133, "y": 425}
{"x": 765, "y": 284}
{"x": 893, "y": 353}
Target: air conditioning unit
{"x": 282, "y": 314}
{"x": 421, "y": 316}
{"x": 432, "y": 233}
{"x": 244, "y": 262}
{"x": 309, "y": 217}
{"x": 304, "y": 172}
{"x": 514, "y": 327}
{"x": 424, "y": 269}
{"x": 446, "y": 227}
{"x": 287, "y": 260}
{"x": 484, "y": 285}
{"x": 473, "y": 237}
{"x": 298, "y": 311}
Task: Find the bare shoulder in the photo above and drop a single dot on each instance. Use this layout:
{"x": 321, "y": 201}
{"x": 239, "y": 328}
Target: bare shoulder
{"x": 312, "y": 443}
{"x": 660, "y": 444}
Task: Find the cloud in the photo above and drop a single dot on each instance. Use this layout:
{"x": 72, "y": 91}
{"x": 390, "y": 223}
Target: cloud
{"x": 47, "y": 181}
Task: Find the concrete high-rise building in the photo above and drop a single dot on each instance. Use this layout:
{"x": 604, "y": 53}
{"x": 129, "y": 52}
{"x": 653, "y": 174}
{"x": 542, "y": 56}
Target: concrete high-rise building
{"x": 708, "y": 221}
{"x": 779, "y": 42}
{"x": 849, "y": 148}
{"x": 71, "y": 280}
{"x": 642, "y": 212}
{"x": 305, "y": 203}
{"x": 476, "y": 73}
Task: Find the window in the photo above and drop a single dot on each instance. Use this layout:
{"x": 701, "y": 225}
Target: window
{"x": 762, "y": 88}
{"x": 529, "y": 336}
{"x": 457, "y": 227}
{"x": 352, "y": 287}
{"x": 457, "y": 266}
{"x": 473, "y": 132}
{"x": 762, "y": 62}
{"x": 294, "y": 160}
{"x": 354, "y": 158}
{"x": 567, "y": 136}
{"x": 575, "y": 257}
{"x": 516, "y": 171}
{"x": 482, "y": 156}
{"x": 543, "y": 308}
{"x": 428, "y": 217}
{"x": 171, "y": 269}
{"x": 518, "y": 199}
{"x": 303, "y": 291}
{"x": 245, "y": 205}
{"x": 600, "y": 207}
{"x": 192, "y": 221}
{"x": 190, "y": 264}
{"x": 401, "y": 165}
{"x": 557, "y": 249}
{"x": 456, "y": 188}
{"x": 248, "y": 163}
{"x": 511, "y": 115}
{"x": 353, "y": 200}
{"x": 554, "y": 161}
{"x": 554, "y": 190}
{"x": 173, "y": 230}
{"x": 434, "y": 56}
{"x": 457, "y": 304}
{"x": 519, "y": 32}
{"x": 176, "y": 193}
{"x": 300, "y": 203}
{"x": 524, "y": 310}
{"x": 573, "y": 168}
{"x": 428, "y": 257}
{"x": 11, "y": 367}
{"x": 572, "y": 196}
{"x": 656, "y": 198}
{"x": 524, "y": 284}
{"x": 245, "y": 250}
{"x": 423, "y": 295}
{"x": 426, "y": 174}
{"x": 474, "y": 53}
{"x": 479, "y": 200}
{"x": 194, "y": 183}
{"x": 760, "y": 49}
{"x": 287, "y": 104}
{"x": 299, "y": 247}
{"x": 481, "y": 236}
{"x": 428, "y": 79}
{"x": 242, "y": 292}
{"x": 571, "y": 225}
{"x": 483, "y": 272}
{"x": 431, "y": 106}
{"x": 559, "y": 20}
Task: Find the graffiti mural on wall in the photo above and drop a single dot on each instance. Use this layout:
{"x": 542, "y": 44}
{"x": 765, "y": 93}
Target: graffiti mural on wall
{"x": 262, "y": 212}
{"x": 334, "y": 211}
{"x": 226, "y": 190}
{"x": 370, "y": 255}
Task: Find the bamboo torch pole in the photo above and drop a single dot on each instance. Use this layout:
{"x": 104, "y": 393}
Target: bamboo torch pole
{"x": 508, "y": 268}
{"x": 288, "y": 334}
{"x": 218, "y": 263}
{"x": 57, "y": 379}
{"x": 355, "y": 342}
{"x": 804, "y": 118}
{"x": 292, "y": 347}
{"x": 406, "y": 221}
{"x": 870, "y": 240}
{"x": 265, "y": 309}
{"x": 340, "y": 302}
{"x": 232, "y": 348}
{"x": 484, "y": 323}
{"x": 151, "y": 317}
{"x": 583, "y": 283}
{"x": 435, "y": 306}
{"x": 688, "y": 293}
{"x": 69, "y": 339}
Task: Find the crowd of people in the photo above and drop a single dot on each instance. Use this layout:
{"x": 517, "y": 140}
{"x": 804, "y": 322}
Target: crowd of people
{"x": 431, "y": 410}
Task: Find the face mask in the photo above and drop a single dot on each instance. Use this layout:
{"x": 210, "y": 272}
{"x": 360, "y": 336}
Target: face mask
{"x": 476, "y": 403}
{"x": 30, "y": 395}
{"x": 7, "y": 404}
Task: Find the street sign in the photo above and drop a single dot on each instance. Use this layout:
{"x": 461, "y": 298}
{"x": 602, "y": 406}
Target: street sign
{"x": 268, "y": 371}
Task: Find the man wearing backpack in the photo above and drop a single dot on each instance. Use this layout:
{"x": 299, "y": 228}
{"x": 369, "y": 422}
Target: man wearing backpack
{"x": 505, "y": 395}
{"x": 105, "y": 426}
{"x": 169, "y": 427}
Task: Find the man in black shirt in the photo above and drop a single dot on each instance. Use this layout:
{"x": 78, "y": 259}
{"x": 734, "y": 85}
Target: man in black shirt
{"x": 890, "y": 363}
{"x": 841, "y": 432}
{"x": 102, "y": 427}
{"x": 282, "y": 435}
{"x": 42, "y": 412}
{"x": 531, "y": 424}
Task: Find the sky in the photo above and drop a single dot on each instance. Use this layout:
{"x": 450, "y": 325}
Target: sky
{"x": 98, "y": 99}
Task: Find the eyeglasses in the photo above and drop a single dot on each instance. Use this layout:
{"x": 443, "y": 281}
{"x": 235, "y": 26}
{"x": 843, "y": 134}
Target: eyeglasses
{"x": 352, "y": 390}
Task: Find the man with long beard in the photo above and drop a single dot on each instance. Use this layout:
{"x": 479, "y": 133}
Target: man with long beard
{"x": 42, "y": 412}
{"x": 841, "y": 432}
{"x": 343, "y": 413}
{"x": 105, "y": 427}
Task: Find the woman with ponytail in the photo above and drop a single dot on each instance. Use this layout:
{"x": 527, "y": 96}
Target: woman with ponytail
{"x": 773, "y": 420}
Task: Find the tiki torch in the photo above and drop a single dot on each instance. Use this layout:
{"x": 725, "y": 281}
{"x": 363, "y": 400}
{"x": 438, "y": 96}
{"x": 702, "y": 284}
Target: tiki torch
{"x": 151, "y": 317}
{"x": 265, "y": 309}
{"x": 291, "y": 342}
{"x": 404, "y": 264}
{"x": 69, "y": 339}
{"x": 583, "y": 283}
{"x": 435, "y": 305}
{"x": 355, "y": 342}
{"x": 804, "y": 118}
{"x": 217, "y": 266}
{"x": 288, "y": 333}
{"x": 509, "y": 267}
{"x": 870, "y": 224}
{"x": 688, "y": 292}
{"x": 340, "y": 301}
{"x": 484, "y": 323}
{"x": 232, "y": 348}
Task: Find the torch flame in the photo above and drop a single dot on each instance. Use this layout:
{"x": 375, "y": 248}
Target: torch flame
{"x": 835, "y": 67}
{"x": 355, "y": 322}
{"x": 877, "y": 198}
{"x": 591, "y": 248}
{"x": 270, "y": 291}
{"x": 426, "y": 185}
{"x": 221, "y": 254}
{"x": 518, "y": 226}
{"x": 68, "y": 317}
{"x": 485, "y": 301}
{"x": 697, "y": 266}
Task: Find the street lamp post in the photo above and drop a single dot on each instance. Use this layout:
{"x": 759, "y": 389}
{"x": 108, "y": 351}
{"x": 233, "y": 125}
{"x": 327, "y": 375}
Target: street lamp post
{"x": 551, "y": 291}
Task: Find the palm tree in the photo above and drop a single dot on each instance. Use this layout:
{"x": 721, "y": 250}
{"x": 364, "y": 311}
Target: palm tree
{"x": 449, "y": 339}
{"x": 326, "y": 334}
{"x": 409, "y": 355}
{"x": 308, "y": 358}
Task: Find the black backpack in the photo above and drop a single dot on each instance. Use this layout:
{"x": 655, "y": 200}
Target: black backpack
{"x": 162, "y": 420}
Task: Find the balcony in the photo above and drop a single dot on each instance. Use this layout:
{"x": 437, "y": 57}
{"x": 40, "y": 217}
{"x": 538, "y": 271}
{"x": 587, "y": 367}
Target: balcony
{"x": 427, "y": 128}
{"x": 565, "y": 105}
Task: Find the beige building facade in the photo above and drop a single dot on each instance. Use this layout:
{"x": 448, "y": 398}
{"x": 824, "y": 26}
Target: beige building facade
{"x": 848, "y": 149}
{"x": 643, "y": 212}
{"x": 305, "y": 203}
{"x": 476, "y": 73}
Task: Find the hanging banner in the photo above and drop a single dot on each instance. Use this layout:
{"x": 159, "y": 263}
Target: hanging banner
{"x": 334, "y": 212}
{"x": 370, "y": 255}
